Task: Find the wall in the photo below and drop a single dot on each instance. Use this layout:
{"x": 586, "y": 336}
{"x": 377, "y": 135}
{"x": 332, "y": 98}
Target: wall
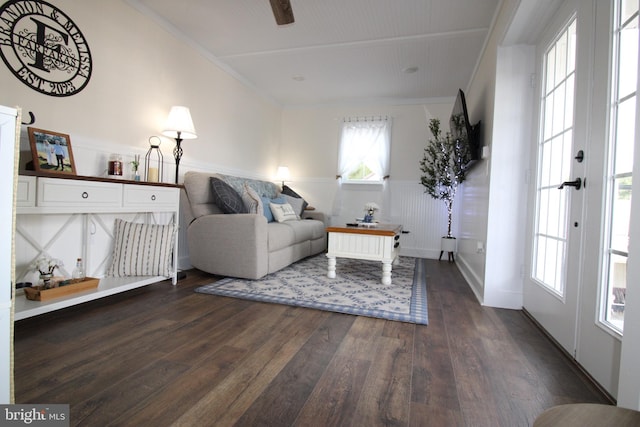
{"x": 508, "y": 194}
{"x": 139, "y": 72}
{"x": 493, "y": 196}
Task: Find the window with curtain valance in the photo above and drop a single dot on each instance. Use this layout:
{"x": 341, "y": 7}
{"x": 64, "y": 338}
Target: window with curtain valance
{"x": 363, "y": 158}
{"x": 364, "y": 149}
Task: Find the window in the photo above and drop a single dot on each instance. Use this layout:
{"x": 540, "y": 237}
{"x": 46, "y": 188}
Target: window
{"x": 557, "y": 106}
{"x": 620, "y": 164}
{"x": 364, "y": 150}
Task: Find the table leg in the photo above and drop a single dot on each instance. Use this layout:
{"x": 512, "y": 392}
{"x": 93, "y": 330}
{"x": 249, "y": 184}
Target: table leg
{"x": 331, "y": 267}
{"x": 386, "y": 272}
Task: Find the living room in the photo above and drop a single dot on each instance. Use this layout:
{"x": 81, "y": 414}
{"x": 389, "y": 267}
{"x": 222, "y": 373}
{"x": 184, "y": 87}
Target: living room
{"x": 140, "y": 69}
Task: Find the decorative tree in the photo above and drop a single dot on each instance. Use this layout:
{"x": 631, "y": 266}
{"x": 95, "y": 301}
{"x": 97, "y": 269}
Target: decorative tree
{"x": 444, "y": 166}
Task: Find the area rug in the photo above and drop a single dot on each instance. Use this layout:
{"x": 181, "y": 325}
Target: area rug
{"x": 357, "y": 288}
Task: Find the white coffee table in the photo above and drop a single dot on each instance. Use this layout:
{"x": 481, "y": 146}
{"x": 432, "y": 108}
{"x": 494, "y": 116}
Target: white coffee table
{"x": 380, "y": 243}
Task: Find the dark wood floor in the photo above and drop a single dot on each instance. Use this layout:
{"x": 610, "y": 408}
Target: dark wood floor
{"x": 164, "y": 355}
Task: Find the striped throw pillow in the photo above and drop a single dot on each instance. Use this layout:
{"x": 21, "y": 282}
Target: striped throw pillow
{"x": 142, "y": 249}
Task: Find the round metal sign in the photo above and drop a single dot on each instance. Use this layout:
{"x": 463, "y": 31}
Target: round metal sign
{"x": 43, "y": 48}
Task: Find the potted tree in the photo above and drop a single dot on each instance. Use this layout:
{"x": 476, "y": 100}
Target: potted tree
{"x": 444, "y": 166}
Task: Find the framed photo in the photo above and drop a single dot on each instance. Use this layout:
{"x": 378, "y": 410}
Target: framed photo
{"x": 51, "y": 151}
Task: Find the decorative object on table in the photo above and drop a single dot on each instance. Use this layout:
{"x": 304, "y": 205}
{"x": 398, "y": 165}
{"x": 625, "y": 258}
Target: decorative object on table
{"x": 135, "y": 164}
{"x": 46, "y": 266}
{"x": 115, "y": 166}
{"x": 283, "y": 175}
{"x": 78, "y": 271}
{"x": 370, "y": 209}
{"x": 444, "y": 166}
{"x": 51, "y": 151}
{"x": 153, "y": 161}
{"x": 179, "y": 126}
{"x": 65, "y": 287}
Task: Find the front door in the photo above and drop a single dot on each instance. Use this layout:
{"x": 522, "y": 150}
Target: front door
{"x": 567, "y": 287}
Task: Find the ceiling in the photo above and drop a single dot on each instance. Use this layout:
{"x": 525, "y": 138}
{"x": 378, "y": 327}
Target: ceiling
{"x": 337, "y": 51}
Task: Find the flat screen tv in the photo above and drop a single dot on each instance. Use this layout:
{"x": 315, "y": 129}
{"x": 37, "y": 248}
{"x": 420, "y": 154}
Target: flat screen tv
{"x": 466, "y": 134}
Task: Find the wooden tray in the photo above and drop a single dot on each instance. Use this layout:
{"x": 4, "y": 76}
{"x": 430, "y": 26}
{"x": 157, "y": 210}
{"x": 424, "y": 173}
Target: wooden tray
{"x": 37, "y": 294}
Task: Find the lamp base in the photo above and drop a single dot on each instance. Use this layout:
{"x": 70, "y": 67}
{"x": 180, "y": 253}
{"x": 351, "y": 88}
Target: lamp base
{"x": 177, "y": 153}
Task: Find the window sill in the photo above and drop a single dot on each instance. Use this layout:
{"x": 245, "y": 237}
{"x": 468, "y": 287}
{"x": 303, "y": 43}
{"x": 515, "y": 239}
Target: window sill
{"x": 369, "y": 185}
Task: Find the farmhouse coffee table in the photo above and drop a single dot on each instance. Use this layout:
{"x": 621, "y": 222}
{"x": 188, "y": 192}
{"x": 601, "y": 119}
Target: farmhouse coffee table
{"x": 379, "y": 243}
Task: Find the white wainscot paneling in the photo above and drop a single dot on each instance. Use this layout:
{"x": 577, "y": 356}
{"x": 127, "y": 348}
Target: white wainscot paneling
{"x": 422, "y": 216}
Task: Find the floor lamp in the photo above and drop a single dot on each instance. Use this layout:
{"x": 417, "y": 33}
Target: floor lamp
{"x": 179, "y": 126}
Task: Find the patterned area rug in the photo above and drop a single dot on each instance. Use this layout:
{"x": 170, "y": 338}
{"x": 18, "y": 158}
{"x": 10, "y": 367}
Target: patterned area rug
{"x": 355, "y": 290}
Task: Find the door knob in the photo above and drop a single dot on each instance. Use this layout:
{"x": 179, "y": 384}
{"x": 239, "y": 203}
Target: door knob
{"x": 577, "y": 184}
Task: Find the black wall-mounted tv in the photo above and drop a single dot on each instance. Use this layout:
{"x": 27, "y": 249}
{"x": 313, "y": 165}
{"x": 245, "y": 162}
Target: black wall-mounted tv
{"x": 463, "y": 131}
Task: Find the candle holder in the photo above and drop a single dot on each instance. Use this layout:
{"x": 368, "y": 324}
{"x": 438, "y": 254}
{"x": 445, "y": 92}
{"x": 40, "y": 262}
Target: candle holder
{"x": 153, "y": 161}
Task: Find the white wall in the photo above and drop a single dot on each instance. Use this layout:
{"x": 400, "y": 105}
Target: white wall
{"x": 474, "y": 199}
{"x": 509, "y": 161}
{"x": 139, "y": 72}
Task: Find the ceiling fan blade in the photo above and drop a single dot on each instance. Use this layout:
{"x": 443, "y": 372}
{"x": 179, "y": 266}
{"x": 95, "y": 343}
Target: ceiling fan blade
{"x": 282, "y": 11}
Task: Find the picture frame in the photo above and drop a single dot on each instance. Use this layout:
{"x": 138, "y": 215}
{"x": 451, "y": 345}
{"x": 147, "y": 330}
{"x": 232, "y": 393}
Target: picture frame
{"x": 51, "y": 151}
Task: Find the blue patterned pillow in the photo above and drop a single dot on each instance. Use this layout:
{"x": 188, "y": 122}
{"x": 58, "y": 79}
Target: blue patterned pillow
{"x": 227, "y": 199}
{"x": 263, "y": 188}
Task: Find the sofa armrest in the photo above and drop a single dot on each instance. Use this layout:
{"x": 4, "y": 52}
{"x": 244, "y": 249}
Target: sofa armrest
{"x": 320, "y": 216}
{"x": 229, "y": 244}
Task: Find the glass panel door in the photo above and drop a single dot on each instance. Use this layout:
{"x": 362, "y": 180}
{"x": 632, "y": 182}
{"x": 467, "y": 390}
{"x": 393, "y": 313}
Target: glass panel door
{"x": 554, "y": 151}
{"x": 619, "y": 176}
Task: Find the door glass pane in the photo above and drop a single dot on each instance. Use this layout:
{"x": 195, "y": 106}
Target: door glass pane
{"x": 624, "y": 62}
{"x": 554, "y": 162}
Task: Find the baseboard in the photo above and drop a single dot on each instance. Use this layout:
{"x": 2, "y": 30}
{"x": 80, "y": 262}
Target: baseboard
{"x": 472, "y": 279}
{"x": 419, "y": 253}
{"x": 570, "y": 358}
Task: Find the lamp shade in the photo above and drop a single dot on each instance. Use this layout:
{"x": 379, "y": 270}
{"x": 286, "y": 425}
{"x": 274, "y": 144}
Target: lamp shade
{"x": 179, "y": 124}
{"x": 283, "y": 174}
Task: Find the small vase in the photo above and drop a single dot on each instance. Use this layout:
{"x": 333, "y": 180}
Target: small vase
{"x": 136, "y": 176}
{"x": 368, "y": 218}
{"x": 46, "y": 280}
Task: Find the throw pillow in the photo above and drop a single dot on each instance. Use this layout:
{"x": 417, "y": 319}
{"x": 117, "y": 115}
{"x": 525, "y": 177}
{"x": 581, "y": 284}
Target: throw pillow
{"x": 227, "y": 199}
{"x": 289, "y": 192}
{"x": 283, "y": 212}
{"x": 252, "y": 200}
{"x": 296, "y": 204}
{"x": 267, "y": 208}
{"x": 142, "y": 249}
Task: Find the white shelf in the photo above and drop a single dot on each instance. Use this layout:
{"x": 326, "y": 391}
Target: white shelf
{"x": 25, "y": 308}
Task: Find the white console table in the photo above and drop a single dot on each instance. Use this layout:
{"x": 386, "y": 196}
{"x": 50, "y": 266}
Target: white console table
{"x": 71, "y": 216}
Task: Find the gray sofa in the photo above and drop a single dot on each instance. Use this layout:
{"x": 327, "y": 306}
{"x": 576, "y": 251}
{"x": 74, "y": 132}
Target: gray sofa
{"x": 244, "y": 245}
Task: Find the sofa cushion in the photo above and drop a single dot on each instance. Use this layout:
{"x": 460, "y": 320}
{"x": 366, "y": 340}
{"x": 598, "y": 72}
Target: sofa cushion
{"x": 289, "y": 192}
{"x": 284, "y": 234}
{"x": 267, "y": 209}
{"x": 279, "y": 236}
{"x": 307, "y": 229}
{"x": 296, "y": 203}
{"x": 227, "y": 198}
{"x": 283, "y": 212}
{"x": 263, "y": 188}
{"x": 252, "y": 200}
